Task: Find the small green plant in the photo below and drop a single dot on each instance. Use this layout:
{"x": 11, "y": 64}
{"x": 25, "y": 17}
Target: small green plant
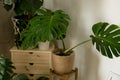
{"x": 6, "y": 68}
{"x": 46, "y": 26}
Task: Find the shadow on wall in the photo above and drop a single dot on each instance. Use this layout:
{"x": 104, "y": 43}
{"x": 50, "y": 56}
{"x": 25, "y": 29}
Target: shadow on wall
{"x": 92, "y": 64}
{"x": 86, "y": 61}
{"x": 6, "y": 31}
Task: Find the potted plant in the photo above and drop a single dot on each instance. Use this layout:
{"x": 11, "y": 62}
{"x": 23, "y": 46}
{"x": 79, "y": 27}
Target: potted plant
{"x": 106, "y": 38}
{"x": 47, "y": 25}
{"x": 24, "y": 10}
{"x": 52, "y": 25}
{"x": 6, "y": 67}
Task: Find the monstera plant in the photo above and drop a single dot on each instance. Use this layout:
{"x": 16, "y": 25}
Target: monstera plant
{"x": 47, "y": 25}
{"x": 106, "y": 38}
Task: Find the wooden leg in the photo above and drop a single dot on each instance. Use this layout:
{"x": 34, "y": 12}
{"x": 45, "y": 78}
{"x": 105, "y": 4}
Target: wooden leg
{"x": 64, "y": 76}
{"x": 51, "y": 75}
{"x": 76, "y": 74}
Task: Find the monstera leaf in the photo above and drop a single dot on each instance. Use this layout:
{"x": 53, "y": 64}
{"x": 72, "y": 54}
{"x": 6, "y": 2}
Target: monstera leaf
{"x": 46, "y": 26}
{"x": 107, "y": 39}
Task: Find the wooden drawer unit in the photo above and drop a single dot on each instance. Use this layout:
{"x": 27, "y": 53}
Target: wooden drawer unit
{"x": 33, "y": 62}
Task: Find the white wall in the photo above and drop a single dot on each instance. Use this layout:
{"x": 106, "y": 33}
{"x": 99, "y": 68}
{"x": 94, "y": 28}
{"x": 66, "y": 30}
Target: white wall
{"x": 84, "y": 13}
{"x": 110, "y": 12}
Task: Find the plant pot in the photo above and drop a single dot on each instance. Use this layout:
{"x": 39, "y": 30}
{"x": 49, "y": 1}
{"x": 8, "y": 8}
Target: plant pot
{"x": 62, "y": 64}
{"x": 43, "y": 45}
{"x": 19, "y": 24}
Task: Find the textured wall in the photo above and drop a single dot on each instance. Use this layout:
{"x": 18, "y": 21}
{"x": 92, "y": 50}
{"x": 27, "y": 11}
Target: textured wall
{"x": 6, "y": 31}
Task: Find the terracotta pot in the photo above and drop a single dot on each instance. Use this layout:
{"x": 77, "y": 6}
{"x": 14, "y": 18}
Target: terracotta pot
{"x": 63, "y": 64}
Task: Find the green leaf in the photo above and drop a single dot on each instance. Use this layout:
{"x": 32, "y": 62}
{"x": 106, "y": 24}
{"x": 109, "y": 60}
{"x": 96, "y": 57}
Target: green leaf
{"x": 8, "y": 2}
{"x": 27, "y": 6}
{"x": 43, "y": 78}
{"x": 6, "y": 68}
{"x": 46, "y": 26}
{"x": 100, "y": 26}
{"x": 8, "y": 7}
{"x": 107, "y": 39}
{"x": 21, "y": 77}
{"x": 1, "y": 77}
{"x": 2, "y": 62}
{"x": 23, "y": 6}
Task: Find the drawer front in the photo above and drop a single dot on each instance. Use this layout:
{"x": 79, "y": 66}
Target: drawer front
{"x": 31, "y": 57}
{"x": 35, "y": 76}
{"x": 31, "y": 68}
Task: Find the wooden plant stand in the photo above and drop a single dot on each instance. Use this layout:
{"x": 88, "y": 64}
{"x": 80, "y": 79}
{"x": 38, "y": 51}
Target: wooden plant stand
{"x": 34, "y": 63}
{"x": 64, "y": 76}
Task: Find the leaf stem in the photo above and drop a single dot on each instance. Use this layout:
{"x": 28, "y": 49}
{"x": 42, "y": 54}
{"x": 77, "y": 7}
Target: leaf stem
{"x": 63, "y": 44}
{"x": 69, "y": 49}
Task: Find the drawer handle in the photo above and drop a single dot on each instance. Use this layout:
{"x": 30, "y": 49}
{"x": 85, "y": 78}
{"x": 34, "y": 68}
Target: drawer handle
{"x": 30, "y": 52}
{"x": 31, "y": 75}
{"x": 31, "y": 63}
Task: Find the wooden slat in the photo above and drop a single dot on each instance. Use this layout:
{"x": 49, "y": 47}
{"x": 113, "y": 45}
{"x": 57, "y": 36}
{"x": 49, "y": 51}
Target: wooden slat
{"x": 28, "y": 57}
{"x": 31, "y": 69}
{"x": 35, "y": 76}
{"x": 30, "y": 50}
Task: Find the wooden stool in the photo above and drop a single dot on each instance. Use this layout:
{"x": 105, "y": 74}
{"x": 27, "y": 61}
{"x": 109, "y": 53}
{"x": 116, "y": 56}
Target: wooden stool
{"x": 64, "y": 76}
